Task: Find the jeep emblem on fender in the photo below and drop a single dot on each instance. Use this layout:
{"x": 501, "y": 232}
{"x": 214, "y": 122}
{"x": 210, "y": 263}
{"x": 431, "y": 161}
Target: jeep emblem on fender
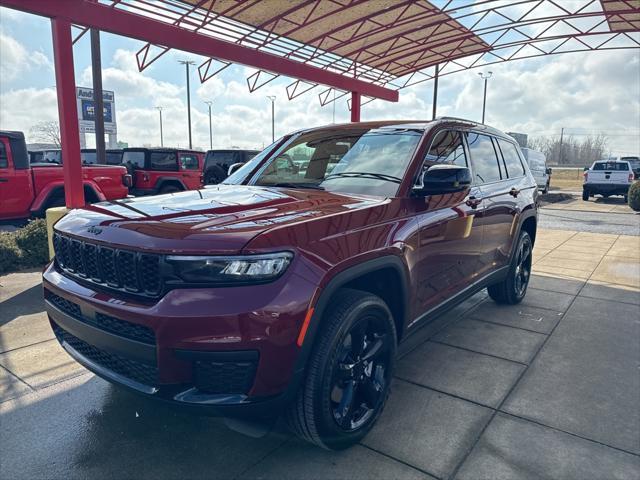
{"x": 94, "y": 230}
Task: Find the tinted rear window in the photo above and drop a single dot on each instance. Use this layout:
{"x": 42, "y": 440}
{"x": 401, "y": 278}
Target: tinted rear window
{"x": 483, "y": 158}
{"x": 224, "y": 158}
{"x": 511, "y": 159}
{"x": 163, "y": 161}
{"x": 611, "y": 166}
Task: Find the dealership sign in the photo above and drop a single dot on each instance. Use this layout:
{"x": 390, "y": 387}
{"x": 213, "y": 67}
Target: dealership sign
{"x": 87, "y": 111}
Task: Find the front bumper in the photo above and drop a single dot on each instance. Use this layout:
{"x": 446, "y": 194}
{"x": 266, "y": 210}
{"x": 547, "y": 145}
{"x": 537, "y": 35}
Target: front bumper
{"x": 191, "y": 347}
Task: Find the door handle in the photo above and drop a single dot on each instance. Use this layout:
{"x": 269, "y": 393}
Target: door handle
{"x": 514, "y": 192}
{"x": 3, "y": 180}
{"x": 473, "y": 202}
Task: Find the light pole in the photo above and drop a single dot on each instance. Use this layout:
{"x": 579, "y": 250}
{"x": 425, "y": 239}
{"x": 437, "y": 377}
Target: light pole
{"x": 209, "y": 103}
{"x": 273, "y": 117}
{"x": 186, "y": 64}
{"x": 485, "y": 77}
{"x": 160, "y": 112}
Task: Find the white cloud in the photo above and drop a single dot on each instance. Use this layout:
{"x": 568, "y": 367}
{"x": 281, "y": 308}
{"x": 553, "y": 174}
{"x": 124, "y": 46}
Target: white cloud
{"x": 16, "y": 60}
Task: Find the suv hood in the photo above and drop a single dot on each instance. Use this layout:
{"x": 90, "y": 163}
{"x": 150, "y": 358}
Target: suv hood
{"x": 220, "y": 219}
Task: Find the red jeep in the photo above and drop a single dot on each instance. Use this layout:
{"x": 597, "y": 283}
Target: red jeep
{"x": 30, "y": 188}
{"x": 163, "y": 170}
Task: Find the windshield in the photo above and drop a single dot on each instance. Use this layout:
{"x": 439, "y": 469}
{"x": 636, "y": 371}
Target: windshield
{"x": 240, "y": 175}
{"x": 366, "y": 161}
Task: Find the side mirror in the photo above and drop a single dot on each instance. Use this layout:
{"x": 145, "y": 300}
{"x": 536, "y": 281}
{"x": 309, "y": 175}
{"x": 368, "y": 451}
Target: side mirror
{"x": 234, "y": 167}
{"x": 549, "y": 171}
{"x": 442, "y": 179}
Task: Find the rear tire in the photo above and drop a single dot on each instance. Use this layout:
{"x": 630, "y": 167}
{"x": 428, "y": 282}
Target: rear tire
{"x": 348, "y": 373}
{"x": 585, "y": 195}
{"x": 512, "y": 289}
{"x": 169, "y": 189}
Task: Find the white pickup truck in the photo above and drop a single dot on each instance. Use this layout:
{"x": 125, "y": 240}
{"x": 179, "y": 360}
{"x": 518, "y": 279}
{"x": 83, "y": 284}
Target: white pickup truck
{"x": 607, "y": 177}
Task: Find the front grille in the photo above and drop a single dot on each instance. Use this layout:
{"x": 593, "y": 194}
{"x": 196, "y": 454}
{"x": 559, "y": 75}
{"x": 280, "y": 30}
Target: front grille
{"x": 138, "y": 371}
{"x": 132, "y": 331}
{"x": 223, "y": 377}
{"x": 125, "y": 270}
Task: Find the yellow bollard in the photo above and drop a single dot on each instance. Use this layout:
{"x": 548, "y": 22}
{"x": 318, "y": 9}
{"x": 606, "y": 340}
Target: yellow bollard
{"x": 53, "y": 215}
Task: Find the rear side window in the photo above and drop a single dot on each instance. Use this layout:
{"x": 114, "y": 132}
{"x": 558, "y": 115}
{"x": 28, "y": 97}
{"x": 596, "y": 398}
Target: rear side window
{"x": 511, "y": 159}
{"x": 4, "y": 161}
{"x": 136, "y": 159}
{"x": 483, "y": 156}
{"x": 163, "y": 161}
{"x": 189, "y": 162}
{"x": 446, "y": 147}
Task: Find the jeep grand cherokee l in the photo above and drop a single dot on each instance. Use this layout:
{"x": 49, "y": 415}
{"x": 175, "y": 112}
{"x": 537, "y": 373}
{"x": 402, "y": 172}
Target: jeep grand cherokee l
{"x": 284, "y": 289}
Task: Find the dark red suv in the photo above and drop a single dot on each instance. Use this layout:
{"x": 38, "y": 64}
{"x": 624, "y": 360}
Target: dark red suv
{"x": 288, "y": 288}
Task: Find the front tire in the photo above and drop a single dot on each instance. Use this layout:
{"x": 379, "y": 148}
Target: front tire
{"x": 512, "y": 289}
{"x": 349, "y": 372}
{"x": 585, "y": 195}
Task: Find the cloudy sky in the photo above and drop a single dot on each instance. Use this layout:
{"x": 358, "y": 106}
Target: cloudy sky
{"x": 585, "y": 93}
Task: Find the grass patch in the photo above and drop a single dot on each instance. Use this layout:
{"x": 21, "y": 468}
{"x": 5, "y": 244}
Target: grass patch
{"x": 27, "y": 247}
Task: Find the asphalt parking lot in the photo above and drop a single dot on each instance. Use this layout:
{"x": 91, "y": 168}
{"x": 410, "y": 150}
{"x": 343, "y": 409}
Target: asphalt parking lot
{"x": 545, "y": 389}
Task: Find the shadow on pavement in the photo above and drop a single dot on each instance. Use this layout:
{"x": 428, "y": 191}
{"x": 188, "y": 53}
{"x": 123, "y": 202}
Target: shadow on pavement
{"x": 25, "y": 303}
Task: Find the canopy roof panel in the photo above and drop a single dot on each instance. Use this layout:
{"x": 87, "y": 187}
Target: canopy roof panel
{"x": 393, "y": 36}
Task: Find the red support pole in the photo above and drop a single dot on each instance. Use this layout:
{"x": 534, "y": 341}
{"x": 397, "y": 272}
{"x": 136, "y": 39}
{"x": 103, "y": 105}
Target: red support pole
{"x": 355, "y": 106}
{"x": 67, "y": 112}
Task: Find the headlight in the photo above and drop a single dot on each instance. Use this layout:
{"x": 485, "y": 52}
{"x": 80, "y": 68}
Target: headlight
{"x": 230, "y": 270}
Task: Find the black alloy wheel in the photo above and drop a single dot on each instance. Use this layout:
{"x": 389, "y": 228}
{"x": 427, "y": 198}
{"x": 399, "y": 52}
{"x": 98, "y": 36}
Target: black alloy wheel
{"x": 360, "y": 374}
{"x": 513, "y": 288}
{"x": 349, "y": 372}
{"x": 523, "y": 266}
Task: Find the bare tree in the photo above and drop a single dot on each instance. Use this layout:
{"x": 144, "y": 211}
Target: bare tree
{"x": 571, "y": 151}
{"x": 47, "y": 132}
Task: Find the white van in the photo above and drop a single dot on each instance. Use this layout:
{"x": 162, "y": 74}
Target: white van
{"x": 538, "y": 166}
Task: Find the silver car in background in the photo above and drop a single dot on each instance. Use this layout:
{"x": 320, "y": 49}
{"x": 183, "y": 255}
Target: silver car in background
{"x": 538, "y": 166}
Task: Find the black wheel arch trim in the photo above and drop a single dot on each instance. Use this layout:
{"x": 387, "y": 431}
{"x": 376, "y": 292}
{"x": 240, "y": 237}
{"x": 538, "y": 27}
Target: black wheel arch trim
{"x": 162, "y": 181}
{"x": 338, "y": 281}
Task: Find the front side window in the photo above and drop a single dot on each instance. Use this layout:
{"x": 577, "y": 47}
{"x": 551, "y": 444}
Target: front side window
{"x": 163, "y": 161}
{"x": 135, "y": 159}
{"x": 446, "y": 147}
{"x": 512, "y": 159}
{"x": 4, "y": 161}
{"x": 365, "y": 161}
{"x": 483, "y": 156}
{"x": 189, "y": 162}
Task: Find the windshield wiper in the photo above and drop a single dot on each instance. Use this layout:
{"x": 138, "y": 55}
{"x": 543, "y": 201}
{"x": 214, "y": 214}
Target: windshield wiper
{"x": 379, "y": 176}
{"x": 294, "y": 185}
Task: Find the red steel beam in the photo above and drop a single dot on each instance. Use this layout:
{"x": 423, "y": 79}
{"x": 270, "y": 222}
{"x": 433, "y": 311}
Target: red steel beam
{"x": 67, "y": 112}
{"x": 355, "y": 106}
{"x": 122, "y": 22}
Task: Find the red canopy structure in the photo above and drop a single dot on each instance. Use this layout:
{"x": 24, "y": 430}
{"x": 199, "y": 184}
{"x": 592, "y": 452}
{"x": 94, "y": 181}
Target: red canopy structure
{"x": 368, "y": 48}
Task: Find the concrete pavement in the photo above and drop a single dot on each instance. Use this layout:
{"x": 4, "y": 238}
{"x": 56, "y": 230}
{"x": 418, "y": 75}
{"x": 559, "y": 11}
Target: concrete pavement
{"x": 547, "y": 388}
